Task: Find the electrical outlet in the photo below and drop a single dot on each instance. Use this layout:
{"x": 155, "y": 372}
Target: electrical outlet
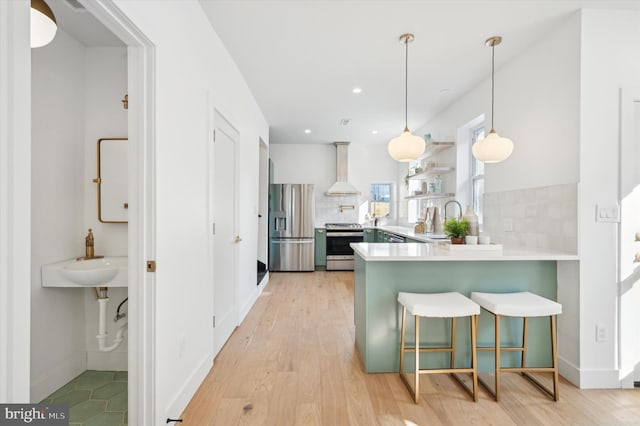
{"x": 601, "y": 333}
{"x": 507, "y": 225}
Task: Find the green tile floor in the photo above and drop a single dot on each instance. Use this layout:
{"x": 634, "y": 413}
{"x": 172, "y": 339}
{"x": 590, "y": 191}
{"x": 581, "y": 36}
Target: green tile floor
{"x": 95, "y": 398}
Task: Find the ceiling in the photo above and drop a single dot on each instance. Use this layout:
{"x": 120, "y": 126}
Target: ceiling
{"x": 301, "y": 59}
{"x": 76, "y": 21}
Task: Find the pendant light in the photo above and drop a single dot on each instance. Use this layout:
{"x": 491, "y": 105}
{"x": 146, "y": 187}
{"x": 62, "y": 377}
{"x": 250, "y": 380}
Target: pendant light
{"x": 406, "y": 147}
{"x": 43, "y": 24}
{"x": 493, "y": 148}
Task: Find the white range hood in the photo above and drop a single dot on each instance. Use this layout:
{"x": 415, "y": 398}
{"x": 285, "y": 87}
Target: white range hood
{"x": 342, "y": 186}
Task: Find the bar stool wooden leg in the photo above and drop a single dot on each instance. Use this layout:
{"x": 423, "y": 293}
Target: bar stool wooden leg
{"x": 417, "y": 355}
{"x": 404, "y": 319}
{"x": 453, "y": 343}
{"x": 525, "y": 331}
{"x": 498, "y": 363}
{"x": 554, "y": 355}
{"x": 474, "y": 358}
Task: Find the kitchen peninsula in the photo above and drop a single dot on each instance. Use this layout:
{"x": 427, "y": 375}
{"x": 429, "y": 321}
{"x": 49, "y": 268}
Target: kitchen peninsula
{"x": 382, "y": 270}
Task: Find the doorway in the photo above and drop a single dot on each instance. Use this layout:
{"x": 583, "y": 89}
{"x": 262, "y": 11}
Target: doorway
{"x": 629, "y": 239}
{"x": 141, "y": 225}
{"x": 225, "y": 235}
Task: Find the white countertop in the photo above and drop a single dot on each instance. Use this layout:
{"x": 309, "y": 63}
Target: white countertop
{"x": 437, "y": 252}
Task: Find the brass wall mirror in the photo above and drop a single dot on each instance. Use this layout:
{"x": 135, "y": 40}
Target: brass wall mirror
{"x": 112, "y": 180}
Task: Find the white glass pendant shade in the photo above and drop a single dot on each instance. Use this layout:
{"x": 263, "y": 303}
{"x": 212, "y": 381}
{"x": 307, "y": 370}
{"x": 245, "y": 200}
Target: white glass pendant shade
{"x": 43, "y": 24}
{"x": 406, "y": 147}
{"x": 493, "y": 148}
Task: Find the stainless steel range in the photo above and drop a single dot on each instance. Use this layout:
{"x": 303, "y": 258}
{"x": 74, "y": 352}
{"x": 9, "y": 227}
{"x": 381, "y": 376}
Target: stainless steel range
{"x": 339, "y": 253}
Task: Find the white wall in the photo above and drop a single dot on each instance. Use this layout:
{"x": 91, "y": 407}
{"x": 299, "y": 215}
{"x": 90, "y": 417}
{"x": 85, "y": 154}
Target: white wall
{"x": 104, "y": 117}
{"x": 316, "y": 163}
{"x": 610, "y": 61}
{"x": 105, "y": 87}
{"x": 191, "y": 65}
{"x": 536, "y": 105}
{"x": 57, "y": 321}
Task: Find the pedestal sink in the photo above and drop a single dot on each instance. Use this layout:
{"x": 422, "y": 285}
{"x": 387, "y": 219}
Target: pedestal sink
{"x": 103, "y": 272}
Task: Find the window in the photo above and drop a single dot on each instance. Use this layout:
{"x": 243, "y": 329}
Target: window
{"x": 477, "y": 176}
{"x": 380, "y": 199}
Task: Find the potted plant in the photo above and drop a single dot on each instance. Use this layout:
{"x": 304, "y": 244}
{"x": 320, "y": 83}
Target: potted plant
{"x": 456, "y": 229}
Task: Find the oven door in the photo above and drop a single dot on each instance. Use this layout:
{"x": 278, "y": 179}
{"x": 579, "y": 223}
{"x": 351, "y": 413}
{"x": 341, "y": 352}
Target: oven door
{"x": 339, "y": 252}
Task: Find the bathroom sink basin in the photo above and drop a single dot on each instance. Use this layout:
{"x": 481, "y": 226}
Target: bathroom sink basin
{"x": 91, "y": 272}
{"x": 103, "y": 272}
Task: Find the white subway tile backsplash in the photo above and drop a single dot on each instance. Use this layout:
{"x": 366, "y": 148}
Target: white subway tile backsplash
{"x": 328, "y": 209}
{"x": 544, "y": 217}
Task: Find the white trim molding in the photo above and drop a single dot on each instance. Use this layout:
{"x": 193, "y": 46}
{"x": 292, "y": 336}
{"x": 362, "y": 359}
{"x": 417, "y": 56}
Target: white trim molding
{"x": 15, "y": 202}
{"x": 142, "y": 220}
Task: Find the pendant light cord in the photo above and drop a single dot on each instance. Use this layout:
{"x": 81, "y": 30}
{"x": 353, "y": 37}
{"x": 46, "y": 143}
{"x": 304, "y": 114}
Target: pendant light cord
{"x": 493, "y": 50}
{"x": 406, "y": 81}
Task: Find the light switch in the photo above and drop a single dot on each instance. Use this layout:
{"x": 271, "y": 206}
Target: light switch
{"x": 607, "y": 214}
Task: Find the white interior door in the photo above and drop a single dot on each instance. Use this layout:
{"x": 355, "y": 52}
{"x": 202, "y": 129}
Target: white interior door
{"x": 629, "y": 238}
{"x": 225, "y": 237}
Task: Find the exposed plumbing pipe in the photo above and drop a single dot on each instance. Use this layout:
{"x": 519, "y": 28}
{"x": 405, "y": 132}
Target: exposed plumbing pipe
{"x": 102, "y": 328}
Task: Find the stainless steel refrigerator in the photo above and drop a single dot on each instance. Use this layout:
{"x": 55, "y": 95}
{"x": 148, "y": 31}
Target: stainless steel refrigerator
{"x": 291, "y": 227}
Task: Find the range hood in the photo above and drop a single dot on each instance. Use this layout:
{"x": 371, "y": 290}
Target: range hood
{"x": 342, "y": 187}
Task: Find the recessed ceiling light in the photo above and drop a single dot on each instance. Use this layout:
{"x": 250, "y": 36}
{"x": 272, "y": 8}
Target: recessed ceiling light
{"x": 375, "y": 132}
{"x": 357, "y": 90}
{"x": 444, "y": 90}
{"x": 307, "y": 131}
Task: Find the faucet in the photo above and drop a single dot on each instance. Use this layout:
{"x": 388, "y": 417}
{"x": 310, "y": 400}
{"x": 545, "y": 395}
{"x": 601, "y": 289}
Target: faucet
{"x": 89, "y": 252}
{"x": 445, "y": 208}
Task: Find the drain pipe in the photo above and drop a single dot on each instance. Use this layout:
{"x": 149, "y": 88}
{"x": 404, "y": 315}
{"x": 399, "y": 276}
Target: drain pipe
{"x": 103, "y": 302}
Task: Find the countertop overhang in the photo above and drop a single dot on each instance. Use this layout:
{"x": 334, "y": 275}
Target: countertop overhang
{"x": 384, "y": 252}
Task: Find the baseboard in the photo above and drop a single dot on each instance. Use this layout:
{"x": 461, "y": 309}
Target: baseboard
{"x": 263, "y": 283}
{"x": 57, "y": 376}
{"x": 600, "y": 379}
{"x": 569, "y": 371}
{"x": 589, "y": 379}
{"x": 186, "y": 392}
{"x": 107, "y": 361}
{"x": 244, "y": 310}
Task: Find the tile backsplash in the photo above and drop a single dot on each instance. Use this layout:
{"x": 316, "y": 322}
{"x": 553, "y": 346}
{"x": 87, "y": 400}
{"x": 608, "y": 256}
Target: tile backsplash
{"x": 544, "y": 217}
{"x": 337, "y": 209}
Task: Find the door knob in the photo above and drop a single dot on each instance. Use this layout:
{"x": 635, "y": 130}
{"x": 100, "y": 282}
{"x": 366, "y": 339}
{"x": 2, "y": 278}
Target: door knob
{"x": 237, "y": 239}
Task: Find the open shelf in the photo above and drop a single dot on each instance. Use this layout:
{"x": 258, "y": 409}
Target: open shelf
{"x": 431, "y": 172}
{"x": 433, "y": 148}
{"x": 428, "y": 196}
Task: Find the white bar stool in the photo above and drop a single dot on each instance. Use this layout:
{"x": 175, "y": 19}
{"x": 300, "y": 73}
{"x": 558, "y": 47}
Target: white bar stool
{"x": 521, "y": 305}
{"x": 438, "y": 305}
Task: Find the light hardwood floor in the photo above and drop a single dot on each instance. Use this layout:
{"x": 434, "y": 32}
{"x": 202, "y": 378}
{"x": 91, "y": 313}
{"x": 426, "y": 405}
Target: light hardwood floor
{"x": 293, "y": 361}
